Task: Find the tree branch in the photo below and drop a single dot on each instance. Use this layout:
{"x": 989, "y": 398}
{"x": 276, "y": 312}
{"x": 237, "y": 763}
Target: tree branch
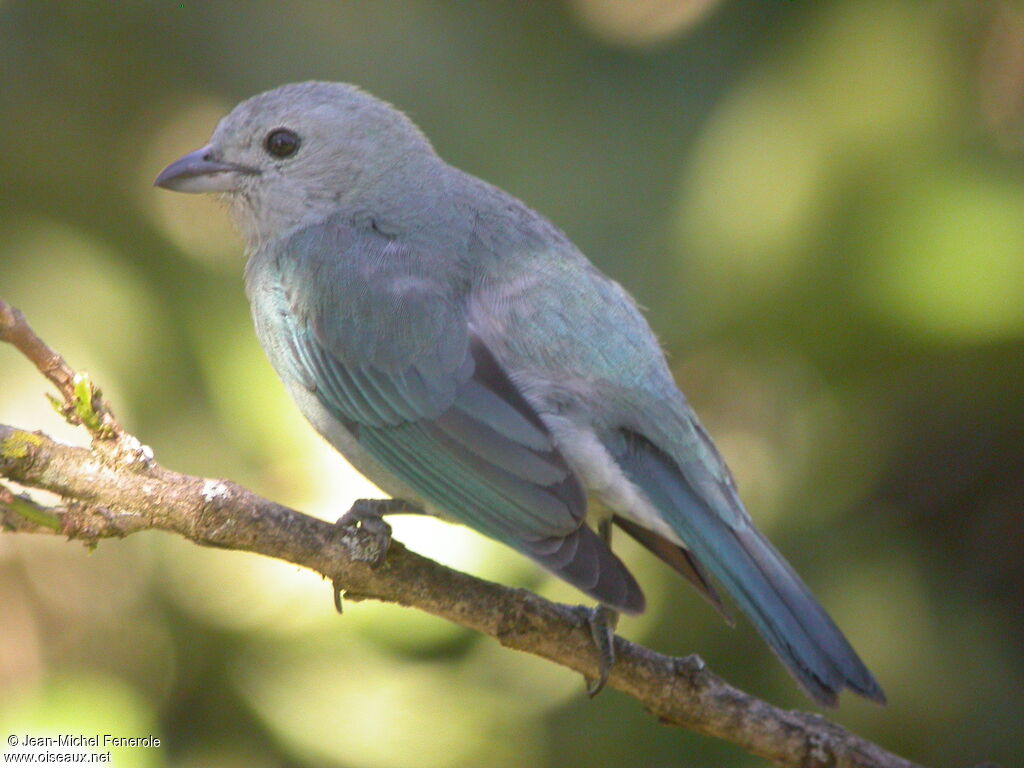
{"x": 114, "y": 493}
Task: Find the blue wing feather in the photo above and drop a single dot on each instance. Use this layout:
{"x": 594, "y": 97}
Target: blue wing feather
{"x": 385, "y": 345}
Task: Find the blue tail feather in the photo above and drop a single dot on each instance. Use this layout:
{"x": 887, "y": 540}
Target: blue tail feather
{"x": 762, "y": 583}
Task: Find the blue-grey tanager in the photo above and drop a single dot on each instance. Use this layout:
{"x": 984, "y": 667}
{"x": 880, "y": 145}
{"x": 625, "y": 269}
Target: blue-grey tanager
{"x": 465, "y": 356}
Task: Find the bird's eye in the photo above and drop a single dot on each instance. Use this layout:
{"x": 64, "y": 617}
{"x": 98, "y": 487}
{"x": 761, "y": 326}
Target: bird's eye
{"x": 281, "y": 142}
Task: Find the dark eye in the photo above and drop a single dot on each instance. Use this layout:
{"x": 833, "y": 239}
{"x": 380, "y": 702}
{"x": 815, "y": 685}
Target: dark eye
{"x": 281, "y": 142}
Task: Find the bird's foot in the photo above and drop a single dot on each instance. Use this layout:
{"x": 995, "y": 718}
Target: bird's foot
{"x": 602, "y": 621}
{"x": 368, "y": 514}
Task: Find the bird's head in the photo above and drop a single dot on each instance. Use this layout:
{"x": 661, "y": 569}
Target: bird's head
{"x": 305, "y": 151}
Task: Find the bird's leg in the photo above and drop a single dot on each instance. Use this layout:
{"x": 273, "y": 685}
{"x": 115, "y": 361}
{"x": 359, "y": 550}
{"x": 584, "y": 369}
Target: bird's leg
{"x": 602, "y": 621}
{"x": 368, "y": 514}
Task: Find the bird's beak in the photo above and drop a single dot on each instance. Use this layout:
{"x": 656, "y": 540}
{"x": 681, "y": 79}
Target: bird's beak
{"x": 199, "y": 171}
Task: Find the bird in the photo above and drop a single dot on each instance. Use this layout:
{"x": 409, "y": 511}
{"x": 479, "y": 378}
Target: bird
{"x": 460, "y": 352}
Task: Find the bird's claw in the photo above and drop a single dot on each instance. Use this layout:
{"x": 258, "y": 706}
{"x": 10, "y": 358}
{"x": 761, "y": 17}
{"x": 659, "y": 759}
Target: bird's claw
{"x": 338, "y": 602}
{"x": 602, "y": 621}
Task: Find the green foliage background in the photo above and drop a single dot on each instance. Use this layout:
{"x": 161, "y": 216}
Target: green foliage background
{"x": 821, "y": 206}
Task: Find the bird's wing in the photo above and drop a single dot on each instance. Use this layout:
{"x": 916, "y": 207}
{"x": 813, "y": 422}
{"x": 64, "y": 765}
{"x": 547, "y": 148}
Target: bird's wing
{"x": 589, "y": 344}
{"x": 379, "y": 334}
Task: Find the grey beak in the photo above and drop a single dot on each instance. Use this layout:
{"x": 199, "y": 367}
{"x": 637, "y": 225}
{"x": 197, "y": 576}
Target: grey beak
{"x": 199, "y": 172}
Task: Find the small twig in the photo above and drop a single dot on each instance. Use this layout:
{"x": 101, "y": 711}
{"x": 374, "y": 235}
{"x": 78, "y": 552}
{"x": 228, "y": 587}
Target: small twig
{"x": 82, "y": 402}
{"x": 19, "y": 513}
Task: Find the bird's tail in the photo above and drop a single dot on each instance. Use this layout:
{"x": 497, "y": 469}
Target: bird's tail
{"x": 763, "y": 584}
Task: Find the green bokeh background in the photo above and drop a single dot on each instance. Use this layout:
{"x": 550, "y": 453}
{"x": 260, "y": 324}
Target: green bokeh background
{"x": 821, "y": 205}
